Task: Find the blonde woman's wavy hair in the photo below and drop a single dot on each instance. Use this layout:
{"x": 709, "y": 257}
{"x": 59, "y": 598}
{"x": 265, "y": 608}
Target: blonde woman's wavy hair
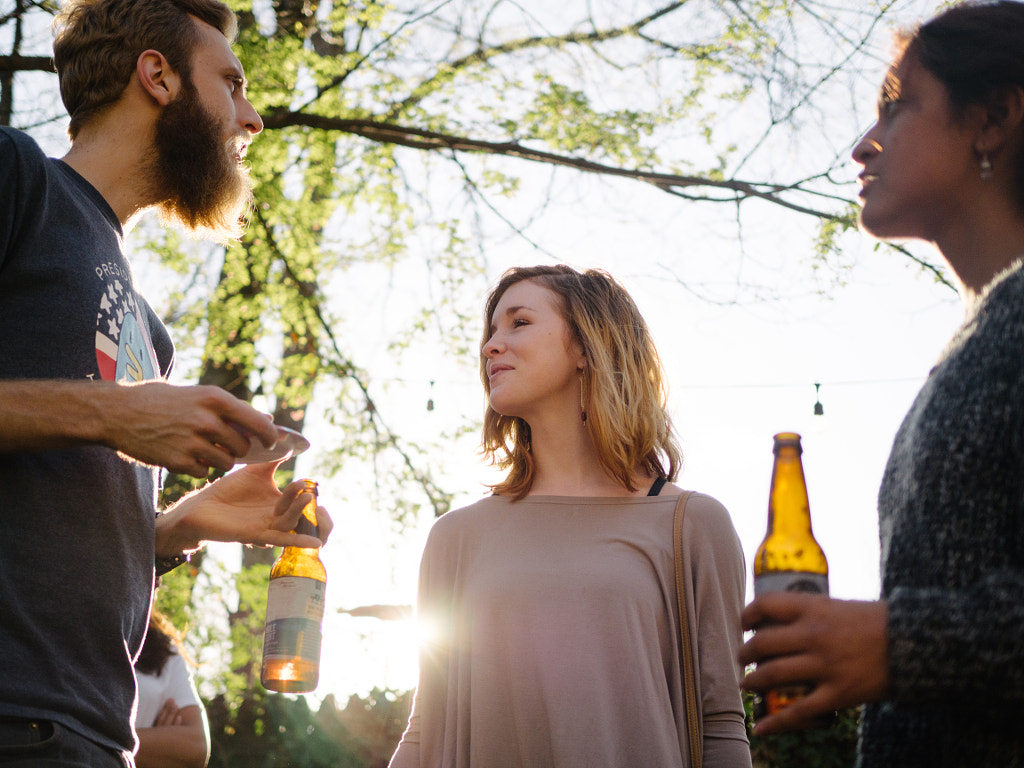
{"x": 623, "y": 390}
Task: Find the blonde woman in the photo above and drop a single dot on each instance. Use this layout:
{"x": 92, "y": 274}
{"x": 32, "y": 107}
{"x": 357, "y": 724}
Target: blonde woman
{"x": 551, "y": 603}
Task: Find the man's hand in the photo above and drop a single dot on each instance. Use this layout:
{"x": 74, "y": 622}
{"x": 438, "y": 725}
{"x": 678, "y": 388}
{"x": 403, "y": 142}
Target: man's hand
{"x": 244, "y": 506}
{"x": 837, "y": 648}
{"x": 185, "y": 429}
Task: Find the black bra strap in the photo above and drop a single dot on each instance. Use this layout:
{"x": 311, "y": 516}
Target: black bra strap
{"x": 656, "y": 487}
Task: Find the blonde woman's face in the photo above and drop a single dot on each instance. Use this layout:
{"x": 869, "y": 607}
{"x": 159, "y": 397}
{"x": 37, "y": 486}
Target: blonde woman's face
{"x": 532, "y": 364}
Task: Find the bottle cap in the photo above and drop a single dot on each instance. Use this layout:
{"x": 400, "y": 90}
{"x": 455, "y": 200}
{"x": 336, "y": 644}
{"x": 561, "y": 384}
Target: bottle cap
{"x": 787, "y": 440}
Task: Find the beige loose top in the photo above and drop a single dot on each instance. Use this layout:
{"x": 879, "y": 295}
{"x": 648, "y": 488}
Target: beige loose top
{"x": 552, "y": 636}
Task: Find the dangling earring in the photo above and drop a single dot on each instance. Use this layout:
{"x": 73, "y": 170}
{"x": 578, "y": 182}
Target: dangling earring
{"x": 583, "y": 407}
{"x": 986, "y": 167}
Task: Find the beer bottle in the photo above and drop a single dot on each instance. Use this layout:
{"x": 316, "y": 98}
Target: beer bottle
{"x": 295, "y": 612}
{"x": 789, "y": 558}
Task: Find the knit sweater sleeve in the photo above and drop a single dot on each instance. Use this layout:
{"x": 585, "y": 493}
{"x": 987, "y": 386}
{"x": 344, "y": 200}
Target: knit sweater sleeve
{"x": 951, "y": 512}
{"x": 959, "y": 643}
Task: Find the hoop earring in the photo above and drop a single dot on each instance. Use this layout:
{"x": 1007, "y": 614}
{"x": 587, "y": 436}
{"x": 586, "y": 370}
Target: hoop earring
{"x": 985, "y": 166}
{"x": 583, "y": 407}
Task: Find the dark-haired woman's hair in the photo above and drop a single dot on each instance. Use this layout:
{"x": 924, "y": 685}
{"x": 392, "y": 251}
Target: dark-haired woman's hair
{"x": 975, "y": 49}
{"x": 162, "y": 640}
{"x": 623, "y": 384}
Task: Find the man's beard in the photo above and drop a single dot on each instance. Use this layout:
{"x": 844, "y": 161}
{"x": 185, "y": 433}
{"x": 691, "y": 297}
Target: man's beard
{"x": 199, "y": 183}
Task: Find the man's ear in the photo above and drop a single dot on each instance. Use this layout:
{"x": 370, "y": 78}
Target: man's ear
{"x": 157, "y": 77}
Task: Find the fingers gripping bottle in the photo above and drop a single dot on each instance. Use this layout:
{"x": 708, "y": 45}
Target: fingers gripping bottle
{"x": 295, "y": 612}
{"x": 789, "y": 558}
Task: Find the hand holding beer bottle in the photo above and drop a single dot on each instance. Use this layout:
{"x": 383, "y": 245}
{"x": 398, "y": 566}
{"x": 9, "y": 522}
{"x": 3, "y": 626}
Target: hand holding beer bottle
{"x": 789, "y": 559}
{"x": 295, "y": 612}
{"x": 814, "y": 655}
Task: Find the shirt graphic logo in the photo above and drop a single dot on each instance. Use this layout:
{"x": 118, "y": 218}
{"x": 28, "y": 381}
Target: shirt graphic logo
{"x": 124, "y": 351}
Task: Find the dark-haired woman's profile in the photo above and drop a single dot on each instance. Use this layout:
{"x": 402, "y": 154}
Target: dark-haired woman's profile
{"x": 940, "y": 658}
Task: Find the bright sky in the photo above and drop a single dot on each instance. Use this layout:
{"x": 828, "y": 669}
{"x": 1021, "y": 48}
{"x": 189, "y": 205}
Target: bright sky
{"x": 738, "y": 374}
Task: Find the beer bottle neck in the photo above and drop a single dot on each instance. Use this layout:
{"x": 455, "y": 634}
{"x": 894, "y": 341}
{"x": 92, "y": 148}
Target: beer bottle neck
{"x": 788, "y": 509}
{"x": 306, "y": 527}
{"x": 307, "y": 524}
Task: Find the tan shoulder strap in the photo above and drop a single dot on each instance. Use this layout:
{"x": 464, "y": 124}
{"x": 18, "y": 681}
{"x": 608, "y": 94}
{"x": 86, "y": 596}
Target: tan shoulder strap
{"x": 689, "y": 679}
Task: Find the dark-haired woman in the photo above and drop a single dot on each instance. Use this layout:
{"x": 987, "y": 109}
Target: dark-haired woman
{"x": 940, "y": 658}
{"x": 550, "y": 606}
{"x": 170, "y": 720}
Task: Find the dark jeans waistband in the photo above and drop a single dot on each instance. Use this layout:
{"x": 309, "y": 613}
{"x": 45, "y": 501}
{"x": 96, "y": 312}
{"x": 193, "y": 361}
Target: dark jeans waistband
{"x": 38, "y": 742}
{"x": 23, "y": 732}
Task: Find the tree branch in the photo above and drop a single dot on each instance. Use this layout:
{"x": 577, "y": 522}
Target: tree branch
{"x": 417, "y": 138}
{"x": 483, "y": 55}
{"x": 439, "y": 499}
{"x": 26, "y": 64}
{"x": 936, "y": 272}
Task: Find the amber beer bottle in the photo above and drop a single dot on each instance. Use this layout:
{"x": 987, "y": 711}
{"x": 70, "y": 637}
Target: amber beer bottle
{"x": 789, "y": 558}
{"x": 295, "y": 612}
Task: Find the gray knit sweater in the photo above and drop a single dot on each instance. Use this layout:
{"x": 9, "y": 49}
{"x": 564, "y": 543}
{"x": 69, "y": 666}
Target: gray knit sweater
{"x": 951, "y": 512}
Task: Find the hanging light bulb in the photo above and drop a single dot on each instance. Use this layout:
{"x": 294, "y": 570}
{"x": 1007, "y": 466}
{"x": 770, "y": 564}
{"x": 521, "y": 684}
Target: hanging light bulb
{"x": 819, "y": 409}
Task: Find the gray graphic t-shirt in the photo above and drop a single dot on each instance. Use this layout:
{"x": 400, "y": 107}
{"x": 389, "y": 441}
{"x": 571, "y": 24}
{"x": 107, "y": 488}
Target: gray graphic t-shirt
{"x": 76, "y": 566}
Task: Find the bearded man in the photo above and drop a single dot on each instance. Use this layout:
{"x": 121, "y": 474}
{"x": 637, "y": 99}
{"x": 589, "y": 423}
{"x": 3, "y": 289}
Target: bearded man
{"x": 159, "y": 120}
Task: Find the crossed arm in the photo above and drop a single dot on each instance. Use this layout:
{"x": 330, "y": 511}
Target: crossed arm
{"x": 180, "y": 738}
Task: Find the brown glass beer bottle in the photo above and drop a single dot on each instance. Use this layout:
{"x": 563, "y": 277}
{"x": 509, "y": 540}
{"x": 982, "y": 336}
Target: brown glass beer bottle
{"x": 789, "y": 558}
{"x": 295, "y": 612}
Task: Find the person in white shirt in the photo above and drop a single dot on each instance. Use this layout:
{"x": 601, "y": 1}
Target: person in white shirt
{"x": 170, "y": 719}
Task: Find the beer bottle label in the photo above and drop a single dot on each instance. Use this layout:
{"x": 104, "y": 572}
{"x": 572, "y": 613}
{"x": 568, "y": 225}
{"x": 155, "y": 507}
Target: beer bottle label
{"x": 295, "y": 610}
{"x": 791, "y": 581}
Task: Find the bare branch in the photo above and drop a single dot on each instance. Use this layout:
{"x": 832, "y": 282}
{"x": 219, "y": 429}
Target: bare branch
{"x": 926, "y": 266}
{"x": 26, "y": 64}
{"x": 417, "y": 138}
{"x": 541, "y": 42}
{"x": 439, "y": 500}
